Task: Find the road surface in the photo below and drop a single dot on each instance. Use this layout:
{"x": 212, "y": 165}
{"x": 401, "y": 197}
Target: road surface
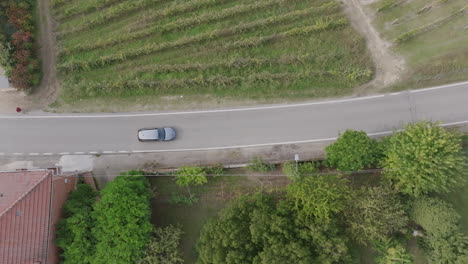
{"x": 231, "y": 128}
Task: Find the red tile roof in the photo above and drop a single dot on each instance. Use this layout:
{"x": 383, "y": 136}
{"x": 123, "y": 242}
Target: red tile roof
{"x": 25, "y": 207}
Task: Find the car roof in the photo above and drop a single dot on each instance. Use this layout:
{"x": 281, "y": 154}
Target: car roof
{"x": 148, "y": 133}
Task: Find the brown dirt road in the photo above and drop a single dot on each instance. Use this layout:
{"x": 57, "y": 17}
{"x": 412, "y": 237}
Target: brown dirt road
{"x": 389, "y": 66}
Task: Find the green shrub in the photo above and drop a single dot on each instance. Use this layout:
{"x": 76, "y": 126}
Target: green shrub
{"x": 259, "y": 165}
{"x": 299, "y": 171}
{"x": 352, "y": 151}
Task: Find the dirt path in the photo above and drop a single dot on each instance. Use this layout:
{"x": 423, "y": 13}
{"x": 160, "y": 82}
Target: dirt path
{"x": 389, "y": 66}
{"x": 47, "y": 92}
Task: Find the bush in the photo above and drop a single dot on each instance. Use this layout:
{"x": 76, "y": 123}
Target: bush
{"x": 259, "y": 165}
{"x": 187, "y": 176}
{"x": 299, "y": 171}
{"x": 352, "y": 151}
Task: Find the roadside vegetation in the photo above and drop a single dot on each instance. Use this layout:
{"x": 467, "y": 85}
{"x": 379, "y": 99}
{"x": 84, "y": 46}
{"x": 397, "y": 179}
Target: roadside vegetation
{"x": 431, "y": 35}
{"x": 18, "y": 49}
{"x": 394, "y": 200}
{"x": 211, "y": 49}
{"x": 385, "y": 216}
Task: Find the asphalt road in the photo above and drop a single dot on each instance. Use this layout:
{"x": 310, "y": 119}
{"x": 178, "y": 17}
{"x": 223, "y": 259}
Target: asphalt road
{"x": 230, "y": 128}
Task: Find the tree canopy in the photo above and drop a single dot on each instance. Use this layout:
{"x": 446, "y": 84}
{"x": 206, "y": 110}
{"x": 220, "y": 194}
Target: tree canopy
{"x": 260, "y": 230}
{"x": 122, "y": 215}
{"x": 352, "y": 151}
{"x": 74, "y": 235}
{"x": 424, "y": 158}
{"x": 374, "y": 213}
{"x": 319, "y": 196}
{"x": 435, "y": 216}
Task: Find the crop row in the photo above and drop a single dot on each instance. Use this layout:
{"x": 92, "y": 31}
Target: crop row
{"x": 189, "y": 6}
{"x": 320, "y": 25}
{"x": 90, "y": 6}
{"x": 237, "y": 63}
{"x": 120, "y": 87}
{"x": 109, "y": 14}
{"x": 186, "y": 23}
{"x": 152, "y": 48}
{"x": 426, "y": 28}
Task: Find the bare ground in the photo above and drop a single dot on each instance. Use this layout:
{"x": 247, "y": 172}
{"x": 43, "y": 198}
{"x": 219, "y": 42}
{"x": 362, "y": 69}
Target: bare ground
{"x": 388, "y": 66}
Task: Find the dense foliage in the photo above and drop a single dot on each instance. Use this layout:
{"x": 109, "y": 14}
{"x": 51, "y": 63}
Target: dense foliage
{"x": 443, "y": 239}
{"x": 113, "y": 229}
{"x": 122, "y": 215}
{"x": 319, "y": 196}
{"x": 352, "y": 151}
{"x": 258, "y": 229}
{"x": 17, "y": 49}
{"x": 164, "y": 247}
{"x": 187, "y": 176}
{"x": 74, "y": 235}
{"x": 424, "y": 158}
{"x": 374, "y": 214}
{"x": 435, "y": 216}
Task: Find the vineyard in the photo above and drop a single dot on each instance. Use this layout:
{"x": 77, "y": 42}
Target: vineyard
{"x": 431, "y": 35}
{"x": 231, "y": 49}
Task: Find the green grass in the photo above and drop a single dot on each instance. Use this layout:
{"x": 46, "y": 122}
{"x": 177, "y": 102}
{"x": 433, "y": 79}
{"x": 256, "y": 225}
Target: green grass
{"x": 430, "y": 35}
{"x": 207, "y": 48}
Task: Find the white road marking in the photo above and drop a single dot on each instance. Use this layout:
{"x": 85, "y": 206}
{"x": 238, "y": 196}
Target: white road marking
{"x": 78, "y": 153}
{"x": 17, "y": 154}
{"x": 227, "y": 110}
{"x": 48, "y": 154}
{"x": 64, "y": 153}
{"x": 256, "y": 145}
{"x": 33, "y": 154}
{"x": 1, "y": 153}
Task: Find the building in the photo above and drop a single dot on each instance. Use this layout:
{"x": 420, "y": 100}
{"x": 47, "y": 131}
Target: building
{"x": 30, "y": 207}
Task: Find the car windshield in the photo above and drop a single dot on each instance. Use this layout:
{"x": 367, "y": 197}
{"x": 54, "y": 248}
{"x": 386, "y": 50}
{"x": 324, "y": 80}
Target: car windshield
{"x": 162, "y": 134}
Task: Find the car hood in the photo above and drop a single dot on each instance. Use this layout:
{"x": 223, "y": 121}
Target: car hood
{"x": 170, "y": 133}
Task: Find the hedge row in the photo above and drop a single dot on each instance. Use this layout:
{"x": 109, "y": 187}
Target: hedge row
{"x": 17, "y": 50}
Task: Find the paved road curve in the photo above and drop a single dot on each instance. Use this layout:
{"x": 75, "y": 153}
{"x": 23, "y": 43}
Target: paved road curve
{"x": 315, "y": 121}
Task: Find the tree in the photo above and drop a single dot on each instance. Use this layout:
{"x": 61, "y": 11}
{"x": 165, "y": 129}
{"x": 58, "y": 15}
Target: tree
{"x": 435, "y": 216}
{"x": 352, "y": 151}
{"x": 319, "y": 196}
{"x": 164, "y": 248}
{"x": 226, "y": 239}
{"x": 74, "y": 235}
{"x": 122, "y": 216}
{"x": 424, "y": 158}
{"x": 375, "y": 213}
{"x": 450, "y": 250}
{"x": 258, "y": 229}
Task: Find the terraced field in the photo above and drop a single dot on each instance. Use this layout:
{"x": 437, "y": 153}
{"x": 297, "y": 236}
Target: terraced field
{"x": 230, "y": 49}
{"x": 431, "y": 34}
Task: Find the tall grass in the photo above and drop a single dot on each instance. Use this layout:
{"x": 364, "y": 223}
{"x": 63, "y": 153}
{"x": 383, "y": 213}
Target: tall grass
{"x": 84, "y": 8}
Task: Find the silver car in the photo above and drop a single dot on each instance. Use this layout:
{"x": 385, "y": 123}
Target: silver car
{"x": 156, "y": 134}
